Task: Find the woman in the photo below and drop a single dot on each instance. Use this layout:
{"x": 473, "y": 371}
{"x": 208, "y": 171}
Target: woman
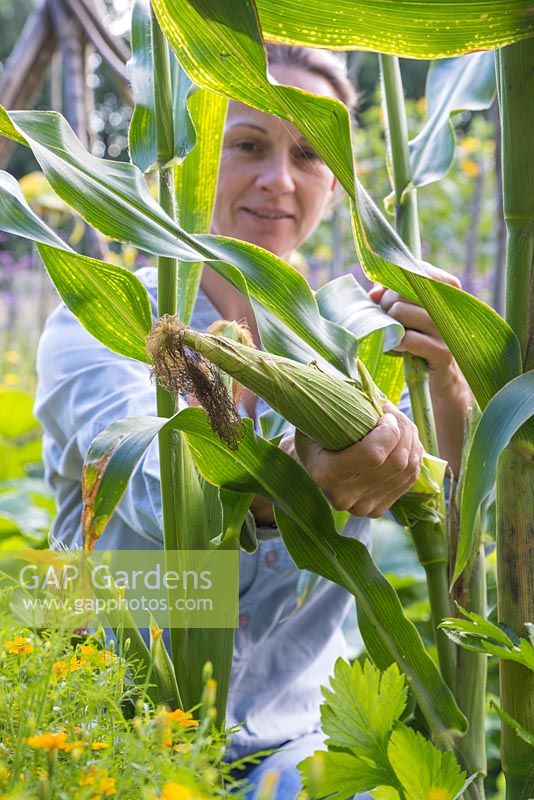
{"x": 272, "y": 191}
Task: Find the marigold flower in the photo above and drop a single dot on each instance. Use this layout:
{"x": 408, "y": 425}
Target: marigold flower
{"x": 183, "y": 718}
{"x": 74, "y": 747}
{"x": 99, "y": 779}
{"x": 176, "y": 791}
{"x": 87, "y": 649}
{"x": 107, "y": 657}
{"x": 19, "y": 645}
{"x": 470, "y": 167}
{"x": 48, "y": 741}
{"x": 70, "y": 665}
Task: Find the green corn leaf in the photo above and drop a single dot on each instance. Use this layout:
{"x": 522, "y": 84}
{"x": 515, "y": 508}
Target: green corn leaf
{"x": 307, "y": 527}
{"x": 15, "y": 214}
{"x": 344, "y": 301}
{"x": 163, "y": 674}
{"x": 509, "y": 409}
{"x": 484, "y": 345}
{"x": 410, "y": 28}
{"x": 422, "y": 769}
{"x": 361, "y": 708}
{"x": 184, "y": 132}
{"x": 338, "y": 775}
{"x": 195, "y": 181}
{"x": 453, "y": 84}
{"x": 113, "y": 197}
{"x": 110, "y": 302}
{"x": 522, "y": 732}
{"x": 481, "y": 636}
{"x": 142, "y": 132}
{"x": 87, "y": 286}
{"x": 235, "y": 506}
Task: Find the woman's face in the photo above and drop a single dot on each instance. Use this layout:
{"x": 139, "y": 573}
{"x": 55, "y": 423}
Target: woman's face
{"x": 272, "y": 187}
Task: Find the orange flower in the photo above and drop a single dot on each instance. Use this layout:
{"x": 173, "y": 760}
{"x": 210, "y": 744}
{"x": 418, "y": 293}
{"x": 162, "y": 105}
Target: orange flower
{"x": 71, "y": 665}
{"x": 183, "y": 718}
{"x": 48, "y": 741}
{"x": 19, "y": 645}
{"x": 470, "y": 167}
{"x": 176, "y": 791}
{"x": 107, "y": 657}
{"x": 74, "y": 747}
{"x": 98, "y": 778}
{"x": 87, "y": 649}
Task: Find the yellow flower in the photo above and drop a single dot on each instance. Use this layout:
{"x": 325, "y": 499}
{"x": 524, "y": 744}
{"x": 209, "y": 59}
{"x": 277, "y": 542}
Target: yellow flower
{"x": 74, "y": 747}
{"x": 420, "y": 105}
{"x": 176, "y": 791}
{"x": 71, "y": 665}
{"x": 11, "y": 379}
{"x": 183, "y": 718}
{"x": 107, "y": 657}
{"x": 99, "y": 745}
{"x": 12, "y": 357}
{"x": 98, "y": 778}
{"x": 437, "y": 794}
{"x": 470, "y": 167}
{"x": 185, "y": 747}
{"x": 87, "y": 649}
{"x": 156, "y": 632}
{"x": 48, "y": 741}
{"x": 470, "y": 144}
{"x": 20, "y": 644}
{"x": 4, "y": 774}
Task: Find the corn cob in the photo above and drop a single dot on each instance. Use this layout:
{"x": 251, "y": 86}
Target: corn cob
{"x": 334, "y": 412}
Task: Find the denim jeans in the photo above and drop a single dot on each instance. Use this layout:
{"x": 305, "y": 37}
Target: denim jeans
{"x": 284, "y": 764}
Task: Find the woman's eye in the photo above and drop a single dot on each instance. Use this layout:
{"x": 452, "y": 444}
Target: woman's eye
{"x": 308, "y": 154}
{"x": 247, "y": 146}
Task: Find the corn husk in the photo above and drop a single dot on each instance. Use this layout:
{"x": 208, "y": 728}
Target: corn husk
{"x": 334, "y": 412}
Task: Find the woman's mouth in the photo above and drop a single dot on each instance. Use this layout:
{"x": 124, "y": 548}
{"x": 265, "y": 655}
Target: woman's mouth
{"x": 267, "y": 214}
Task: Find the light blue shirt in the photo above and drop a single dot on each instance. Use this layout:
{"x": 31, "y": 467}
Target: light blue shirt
{"x": 281, "y": 657}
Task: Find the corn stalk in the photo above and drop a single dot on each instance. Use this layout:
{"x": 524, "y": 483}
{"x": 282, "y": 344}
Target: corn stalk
{"x": 435, "y": 560}
{"x": 464, "y": 673}
{"x": 515, "y": 477}
{"x": 183, "y": 497}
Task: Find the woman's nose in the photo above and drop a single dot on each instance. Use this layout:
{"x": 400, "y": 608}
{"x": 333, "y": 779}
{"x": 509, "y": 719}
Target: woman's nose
{"x": 276, "y": 174}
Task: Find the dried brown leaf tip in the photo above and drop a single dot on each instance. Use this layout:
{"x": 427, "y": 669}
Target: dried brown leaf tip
{"x": 180, "y": 369}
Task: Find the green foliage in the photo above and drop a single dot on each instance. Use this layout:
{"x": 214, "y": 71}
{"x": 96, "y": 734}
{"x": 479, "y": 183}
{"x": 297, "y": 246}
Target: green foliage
{"x": 26, "y": 503}
{"x": 482, "y": 636}
{"x": 368, "y": 746}
{"x": 73, "y": 724}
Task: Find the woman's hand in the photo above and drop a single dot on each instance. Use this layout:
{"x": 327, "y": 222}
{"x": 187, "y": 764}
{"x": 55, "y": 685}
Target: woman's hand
{"x": 367, "y": 477}
{"x": 451, "y": 396}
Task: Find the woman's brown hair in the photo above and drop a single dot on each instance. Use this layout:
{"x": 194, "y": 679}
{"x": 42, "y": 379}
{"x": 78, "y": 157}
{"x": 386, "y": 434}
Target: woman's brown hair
{"x": 330, "y": 66}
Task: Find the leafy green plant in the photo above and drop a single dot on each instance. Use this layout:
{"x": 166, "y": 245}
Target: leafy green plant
{"x": 369, "y": 747}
